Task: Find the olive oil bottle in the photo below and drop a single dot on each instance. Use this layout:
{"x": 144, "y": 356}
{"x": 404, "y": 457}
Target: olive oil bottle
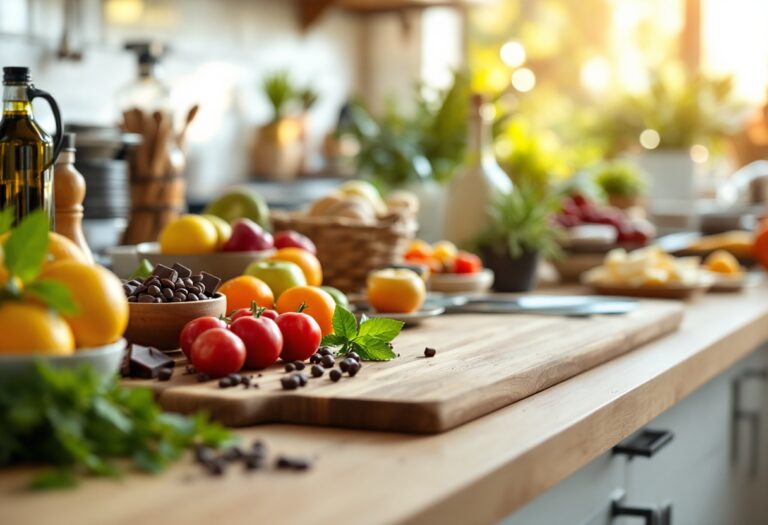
{"x": 27, "y": 152}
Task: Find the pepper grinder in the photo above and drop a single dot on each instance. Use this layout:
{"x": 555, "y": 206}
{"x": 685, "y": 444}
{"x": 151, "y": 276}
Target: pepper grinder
{"x": 69, "y": 192}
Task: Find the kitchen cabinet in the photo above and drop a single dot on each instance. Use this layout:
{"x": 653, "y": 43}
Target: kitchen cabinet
{"x": 695, "y": 472}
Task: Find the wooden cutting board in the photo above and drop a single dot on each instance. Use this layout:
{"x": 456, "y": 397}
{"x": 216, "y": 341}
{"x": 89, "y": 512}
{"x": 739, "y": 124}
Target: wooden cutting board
{"x": 483, "y": 362}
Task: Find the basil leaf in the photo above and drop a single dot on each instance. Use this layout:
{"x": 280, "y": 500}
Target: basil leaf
{"x": 27, "y": 247}
{"x": 334, "y": 340}
{"x": 372, "y": 348}
{"x": 344, "y": 323}
{"x": 54, "y": 294}
{"x": 6, "y": 219}
{"x": 381, "y": 328}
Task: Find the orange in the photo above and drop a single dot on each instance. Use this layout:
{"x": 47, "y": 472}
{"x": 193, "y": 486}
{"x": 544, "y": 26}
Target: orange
{"x": 31, "y": 328}
{"x": 308, "y": 263}
{"x": 418, "y": 249}
{"x": 102, "y": 314}
{"x": 60, "y": 248}
{"x": 396, "y": 291}
{"x": 242, "y": 291}
{"x": 318, "y": 304}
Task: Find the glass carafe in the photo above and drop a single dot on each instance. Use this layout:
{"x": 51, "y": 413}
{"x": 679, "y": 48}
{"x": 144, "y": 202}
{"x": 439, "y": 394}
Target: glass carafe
{"x": 27, "y": 152}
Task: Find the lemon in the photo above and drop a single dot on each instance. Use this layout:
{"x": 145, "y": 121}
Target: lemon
{"x": 223, "y": 229}
{"x": 189, "y": 234}
{"x": 33, "y": 329}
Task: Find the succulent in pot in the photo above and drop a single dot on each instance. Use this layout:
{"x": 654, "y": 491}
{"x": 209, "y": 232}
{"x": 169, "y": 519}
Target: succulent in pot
{"x": 520, "y": 233}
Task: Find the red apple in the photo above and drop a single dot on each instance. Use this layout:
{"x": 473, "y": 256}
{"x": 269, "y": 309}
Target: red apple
{"x": 248, "y": 236}
{"x": 293, "y": 239}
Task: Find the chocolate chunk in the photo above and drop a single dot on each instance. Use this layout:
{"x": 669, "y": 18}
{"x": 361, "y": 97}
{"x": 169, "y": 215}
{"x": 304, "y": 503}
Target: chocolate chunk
{"x": 132, "y": 299}
{"x": 147, "y": 362}
{"x": 429, "y": 352}
{"x": 167, "y": 283}
{"x": 327, "y": 361}
{"x": 225, "y": 382}
{"x": 204, "y": 454}
{"x": 290, "y": 367}
{"x": 192, "y": 297}
{"x": 196, "y": 278}
{"x": 164, "y": 374}
{"x": 299, "y": 365}
{"x": 290, "y": 383}
{"x": 253, "y": 462}
{"x": 354, "y": 368}
{"x": 210, "y": 282}
{"x": 233, "y": 454}
{"x": 146, "y": 298}
{"x": 292, "y": 463}
{"x": 317, "y": 371}
{"x": 315, "y": 358}
{"x": 324, "y": 350}
{"x": 302, "y": 379}
{"x": 128, "y": 289}
{"x": 182, "y": 271}
{"x": 188, "y": 282}
{"x": 258, "y": 447}
{"x": 217, "y": 467}
{"x": 202, "y": 377}
{"x": 245, "y": 381}
{"x": 125, "y": 364}
{"x": 335, "y": 375}
{"x": 161, "y": 271}
{"x": 344, "y": 365}
{"x": 153, "y": 290}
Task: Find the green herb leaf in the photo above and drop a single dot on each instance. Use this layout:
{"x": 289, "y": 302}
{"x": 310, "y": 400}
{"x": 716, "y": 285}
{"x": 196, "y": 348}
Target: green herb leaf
{"x": 381, "y": 328}
{"x": 27, "y": 247}
{"x": 54, "y": 294}
{"x": 6, "y": 219}
{"x": 372, "y": 348}
{"x": 334, "y": 340}
{"x": 344, "y": 323}
{"x": 143, "y": 271}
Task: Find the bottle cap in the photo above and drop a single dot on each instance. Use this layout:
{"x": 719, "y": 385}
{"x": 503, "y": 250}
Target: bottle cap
{"x": 16, "y": 75}
{"x": 68, "y": 143}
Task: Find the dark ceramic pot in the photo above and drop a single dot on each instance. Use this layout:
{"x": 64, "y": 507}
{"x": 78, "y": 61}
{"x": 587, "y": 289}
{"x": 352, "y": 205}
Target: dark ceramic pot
{"x": 512, "y": 274}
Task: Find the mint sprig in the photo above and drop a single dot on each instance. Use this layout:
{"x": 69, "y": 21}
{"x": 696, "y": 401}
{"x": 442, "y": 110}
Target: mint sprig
{"x": 370, "y": 338}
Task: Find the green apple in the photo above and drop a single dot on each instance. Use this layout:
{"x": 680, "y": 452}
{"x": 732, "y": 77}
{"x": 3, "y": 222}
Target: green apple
{"x": 279, "y": 275}
{"x": 240, "y": 203}
{"x": 338, "y": 296}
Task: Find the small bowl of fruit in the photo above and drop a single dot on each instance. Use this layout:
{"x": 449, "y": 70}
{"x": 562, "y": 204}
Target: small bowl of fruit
{"x": 450, "y": 270}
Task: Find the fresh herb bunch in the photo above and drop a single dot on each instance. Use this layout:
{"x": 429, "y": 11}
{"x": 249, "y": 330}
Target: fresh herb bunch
{"x": 23, "y": 255}
{"x": 620, "y": 179}
{"x": 371, "y": 339}
{"x": 521, "y": 221}
{"x": 76, "y": 421}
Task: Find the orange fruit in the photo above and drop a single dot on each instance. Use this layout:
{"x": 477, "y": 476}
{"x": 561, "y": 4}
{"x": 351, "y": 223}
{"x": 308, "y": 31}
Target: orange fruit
{"x": 308, "y": 263}
{"x": 418, "y": 249}
{"x": 60, "y": 248}
{"x": 396, "y": 291}
{"x": 102, "y": 315}
{"x": 445, "y": 252}
{"x": 242, "y": 291}
{"x": 30, "y": 328}
{"x": 318, "y": 304}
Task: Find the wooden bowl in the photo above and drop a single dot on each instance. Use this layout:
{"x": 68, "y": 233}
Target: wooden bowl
{"x": 159, "y": 324}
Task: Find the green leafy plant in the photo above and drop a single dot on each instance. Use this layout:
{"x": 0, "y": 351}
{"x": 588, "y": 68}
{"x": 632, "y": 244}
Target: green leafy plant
{"x": 23, "y": 256}
{"x": 619, "y": 179}
{"x": 521, "y": 221}
{"x": 79, "y": 423}
{"x": 280, "y": 92}
{"x": 370, "y": 338}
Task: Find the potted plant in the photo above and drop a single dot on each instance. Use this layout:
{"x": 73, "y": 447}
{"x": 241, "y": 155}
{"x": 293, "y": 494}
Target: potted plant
{"x": 278, "y": 149}
{"x": 520, "y": 233}
{"x": 622, "y": 183}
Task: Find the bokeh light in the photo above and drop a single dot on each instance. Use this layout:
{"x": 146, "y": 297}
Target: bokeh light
{"x": 699, "y": 153}
{"x": 523, "y": 80}
{"x": 650, "y": 139}
{"x": 513, "y": 54}
{"x": 595, "y": 74}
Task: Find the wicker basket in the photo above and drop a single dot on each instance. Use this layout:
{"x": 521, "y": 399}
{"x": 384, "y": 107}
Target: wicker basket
{"x": 347, "y": 249}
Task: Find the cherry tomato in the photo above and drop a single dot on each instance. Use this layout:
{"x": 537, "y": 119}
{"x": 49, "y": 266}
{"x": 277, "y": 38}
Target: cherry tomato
{"x": 218, "y": 352}
{"x": 301, "y": 336}
{"x": 467, "y": 263}
{"x": 262, "y": 338}
{"x": 251, "y": 312}
{"x": 194, "y": 328}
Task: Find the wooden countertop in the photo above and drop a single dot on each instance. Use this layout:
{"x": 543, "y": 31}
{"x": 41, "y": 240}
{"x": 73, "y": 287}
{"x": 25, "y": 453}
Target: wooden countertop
{"x": 477, "y": 473}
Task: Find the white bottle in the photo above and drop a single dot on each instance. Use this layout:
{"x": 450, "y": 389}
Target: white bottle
{"x": 474, "y": 187}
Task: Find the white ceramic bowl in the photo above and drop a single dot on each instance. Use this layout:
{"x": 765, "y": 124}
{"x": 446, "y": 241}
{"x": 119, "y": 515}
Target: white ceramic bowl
{"x": 104, "y": 359}
{"x": 461, "y": 282}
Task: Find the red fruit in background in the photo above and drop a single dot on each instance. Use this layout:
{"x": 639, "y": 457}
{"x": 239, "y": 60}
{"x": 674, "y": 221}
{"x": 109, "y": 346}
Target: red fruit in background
{"x": 466, "y": 262}
{"x": 194, "y": 328}
{"x": 248, "y": 236}
{"x": 570, "y": 208}
{"x": 218, "y": 352}
{"x": 253, "y": 311}
{"x": 262, "y": 339}
{"x": 567, "y": 221}
{"x": 293, "y": 239}
{"x": 580, "y": 200}
{"x": 301, "y": 336}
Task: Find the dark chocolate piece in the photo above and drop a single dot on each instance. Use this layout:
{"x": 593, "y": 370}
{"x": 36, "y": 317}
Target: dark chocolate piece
{"x": 182, "y": 271}
{"x": 429, "y": 352}
{"x": 164, "y": 374}
{"x": 210, "y": 283}
{"x": 161, "y": 271}
{"x": 147, "y": 362}
{"x": 292, "y": 463}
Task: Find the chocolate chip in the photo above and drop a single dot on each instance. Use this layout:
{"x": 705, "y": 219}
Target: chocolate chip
{"x": 188, "y": 282}
{"x": 204, "y": 454}
{"x": 299, "y": 365}
{"x": 335, "y": 375}
{"x": 303, "y": 379}
{"x": 292, "y": 463}
{"x": 327, "y": 361}
{"x": 164, "y": 374}
{"x": 290, "y": 367}
{"x": 196, "y": 278}
{"x": 168, "y": 293}
{"x": 354, "y": 368}
{"x": 153, "y": 290}
{"x": 354, "y": 355}
{"x": 429, "y": 352}
{"x": 315, "y": 358}
{"x": 217, "y": 467}
{"x": 253, "y": 462}
{"x": 324, "y": 350}
{"x": 290, "y": 383}
{"x": 128, "y": 289}
{"x": 232, "y": 454}
{"x": 344, "y": 365}
{"x": 317, "y": 371}
{"x": 245, "y": 380}
{"x": 192, "y": 297}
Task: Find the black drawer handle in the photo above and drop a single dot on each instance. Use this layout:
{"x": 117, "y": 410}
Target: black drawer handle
{"x": 651, "y": 515}
{"x": 645, "y": 443}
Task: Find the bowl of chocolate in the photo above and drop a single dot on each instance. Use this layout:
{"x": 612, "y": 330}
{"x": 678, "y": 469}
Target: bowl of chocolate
{"x": 162, "y": 303}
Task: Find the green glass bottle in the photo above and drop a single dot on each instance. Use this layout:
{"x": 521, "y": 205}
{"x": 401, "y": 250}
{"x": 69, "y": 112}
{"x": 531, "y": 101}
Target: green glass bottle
{"x": 27, "y": 152}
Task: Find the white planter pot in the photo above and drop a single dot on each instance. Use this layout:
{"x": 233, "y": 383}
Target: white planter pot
{"x": 431, "y": 196}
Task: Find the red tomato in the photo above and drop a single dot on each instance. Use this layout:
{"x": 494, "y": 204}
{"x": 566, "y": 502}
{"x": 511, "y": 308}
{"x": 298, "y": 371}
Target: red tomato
{"x": 301, "y": 336}
{"x": 218, "y": 352}
{"x": 270, "y": 314}
{"x": 251, "y": 312}
{"x": 194, "y": 328}
{"x": 467, "y": 263}
{"x": 262, "y": 338}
